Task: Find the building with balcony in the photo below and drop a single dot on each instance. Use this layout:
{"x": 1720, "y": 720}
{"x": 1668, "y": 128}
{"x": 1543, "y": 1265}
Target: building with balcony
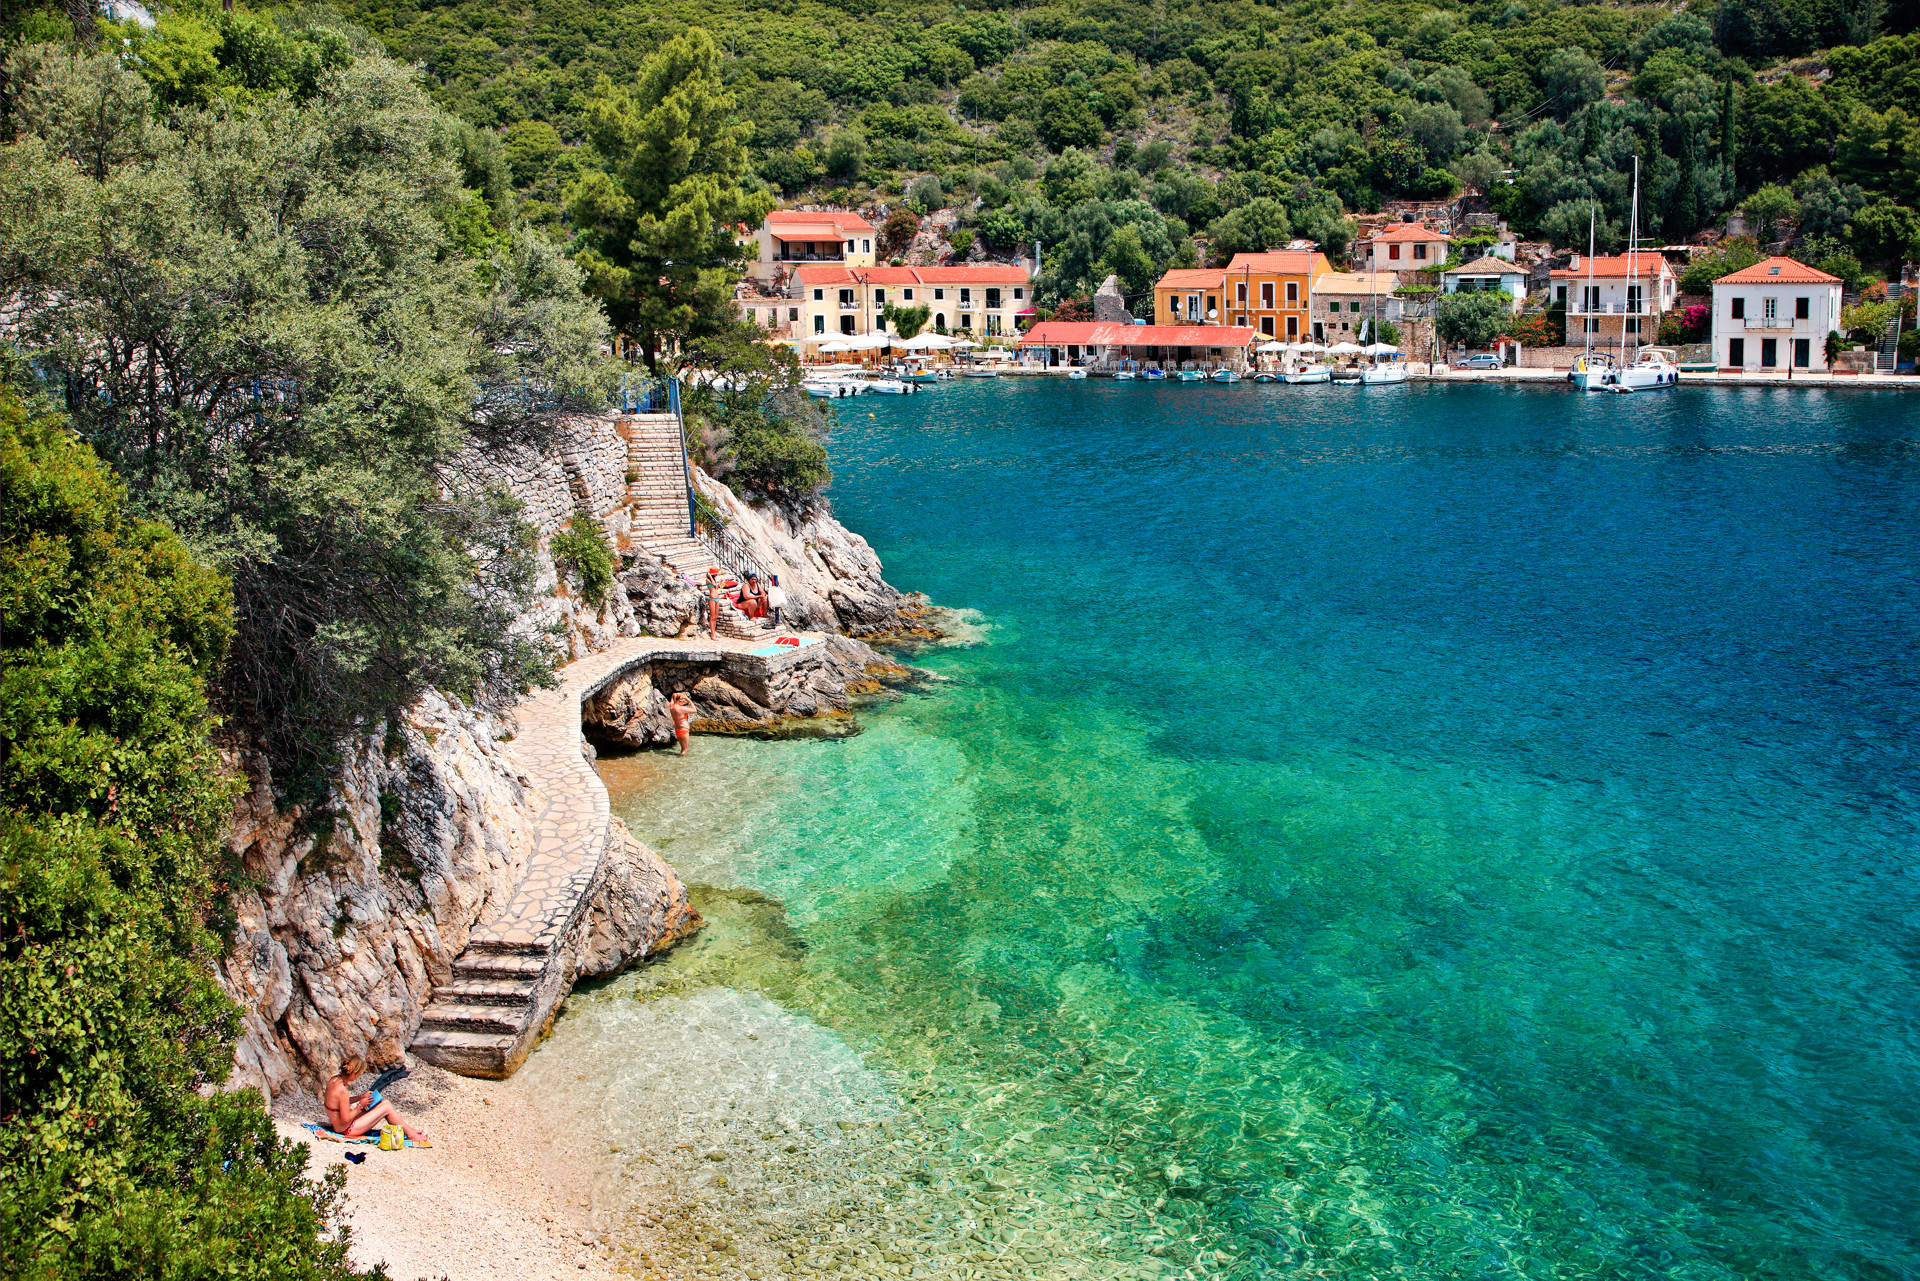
{"x": 1343, "y": 300}
{"x": 1404, "y": 246}
{"x": 1188, "y": 296}
{"x": 1604, "y": 304}
{"x": 1272, "y": 292}
{"x": 790, "y": 237}
{"x": 1774, "y": 315}
{"x": 978, "y": 299}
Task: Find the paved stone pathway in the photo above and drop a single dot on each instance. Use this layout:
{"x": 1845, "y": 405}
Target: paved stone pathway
{"x": 506, "y": 984}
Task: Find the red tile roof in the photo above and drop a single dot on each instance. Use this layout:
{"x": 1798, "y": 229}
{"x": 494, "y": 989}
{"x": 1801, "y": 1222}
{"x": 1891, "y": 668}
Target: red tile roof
{"x": 985, "y": 273}
{"x": 1099, "y": 333}
{"x": 1401, "y": 231}
{"x": 973, "y": 273}
{"x": 799, "y": 219}
{"x": 1286, "y": 262}
{"x": 1191, "y": 278}
{"x": 1646, "y": 264}
{"x": 1778, "y": 271}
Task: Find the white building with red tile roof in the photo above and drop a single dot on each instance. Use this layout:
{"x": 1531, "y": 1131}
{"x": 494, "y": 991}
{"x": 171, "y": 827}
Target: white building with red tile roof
{"x": 1602, "y": 297}
{"x": 979, "y": 299}
{"x": 790, "y": 237}
{"x": 1774, "y": 315}
{"x": 1405, "y": 246}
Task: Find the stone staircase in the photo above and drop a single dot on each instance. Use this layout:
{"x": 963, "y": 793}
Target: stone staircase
{"x": 1887, "y": 359}
{"x": 657, "y": 497}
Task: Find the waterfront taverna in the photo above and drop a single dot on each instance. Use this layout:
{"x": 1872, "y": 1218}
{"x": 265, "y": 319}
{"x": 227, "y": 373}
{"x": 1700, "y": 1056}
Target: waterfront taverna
{"x": 1102, "y": 345}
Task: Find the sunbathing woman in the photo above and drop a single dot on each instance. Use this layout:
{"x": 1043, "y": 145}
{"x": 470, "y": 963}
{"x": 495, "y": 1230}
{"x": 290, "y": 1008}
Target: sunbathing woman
{"x": 352, "y": 1114}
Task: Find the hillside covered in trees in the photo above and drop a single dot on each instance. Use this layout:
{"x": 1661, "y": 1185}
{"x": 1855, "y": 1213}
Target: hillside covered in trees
{"x": 1113, "y": 130}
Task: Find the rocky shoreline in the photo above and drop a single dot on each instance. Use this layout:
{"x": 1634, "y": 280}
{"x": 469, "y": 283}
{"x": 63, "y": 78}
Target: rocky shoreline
{"x": 358, "y": 905}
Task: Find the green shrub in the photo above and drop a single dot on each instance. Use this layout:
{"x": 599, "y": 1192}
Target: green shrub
{"x": 582, "y": 548}
{"x": 115, "y": 1160}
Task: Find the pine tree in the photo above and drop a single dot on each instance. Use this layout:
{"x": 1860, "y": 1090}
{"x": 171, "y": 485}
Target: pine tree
{"x": 658, "y": 216}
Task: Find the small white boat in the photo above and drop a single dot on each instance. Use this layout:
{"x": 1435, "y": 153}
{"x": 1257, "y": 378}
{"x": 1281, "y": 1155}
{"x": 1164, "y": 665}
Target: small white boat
{"x": 1125, "y": 375}
{"x": 980, "y": 373}
{"x": 1190, "y": 376}
{"x": 1154, "y": 375}
{"x": 830, "y": 388}
{"x": 891, "y": 387}
{"x": 1076, "y": 374}
{"x": 1299, "y": 375}
{"x": 1225, "y": 376}
{"x": 1384, "y": 375}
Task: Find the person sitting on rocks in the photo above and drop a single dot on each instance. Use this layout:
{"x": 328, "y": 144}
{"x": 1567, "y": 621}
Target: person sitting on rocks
{"x": 352, "y": 1114}
{"x": 681, "y": 708}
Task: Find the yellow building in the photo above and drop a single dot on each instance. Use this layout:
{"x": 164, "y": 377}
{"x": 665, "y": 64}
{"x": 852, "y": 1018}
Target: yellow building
{"x": 1272, "y": 292}
{"x": 1187, "y": 296}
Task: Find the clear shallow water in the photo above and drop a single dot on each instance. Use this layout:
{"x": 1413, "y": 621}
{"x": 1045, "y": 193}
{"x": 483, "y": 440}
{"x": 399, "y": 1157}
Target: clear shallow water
{"x": 1417, "y": 832}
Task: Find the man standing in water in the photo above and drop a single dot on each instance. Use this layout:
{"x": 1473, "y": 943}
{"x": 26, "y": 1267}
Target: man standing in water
{"x": 680, "y": 707}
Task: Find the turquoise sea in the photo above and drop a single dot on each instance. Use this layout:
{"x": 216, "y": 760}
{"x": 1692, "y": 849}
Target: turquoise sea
{"x": 1413, "y": 832}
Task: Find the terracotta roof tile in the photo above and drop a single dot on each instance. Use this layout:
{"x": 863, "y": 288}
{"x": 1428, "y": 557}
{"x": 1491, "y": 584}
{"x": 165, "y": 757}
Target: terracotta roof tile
{"x": 1646, "y": 264}
{"x": 1191, "y": 278}
{"x": 1057, "y": 333}
{"x": 1778, "y": 271}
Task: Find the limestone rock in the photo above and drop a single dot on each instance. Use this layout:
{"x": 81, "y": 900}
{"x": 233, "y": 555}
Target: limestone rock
{"x": 640, "y": 908}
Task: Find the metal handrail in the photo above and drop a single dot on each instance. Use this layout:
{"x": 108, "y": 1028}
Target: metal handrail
{"x": 710, "y": 528}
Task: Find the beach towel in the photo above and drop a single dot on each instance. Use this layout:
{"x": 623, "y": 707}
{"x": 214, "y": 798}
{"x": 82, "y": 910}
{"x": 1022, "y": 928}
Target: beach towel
{"x": 334, "y": 1136}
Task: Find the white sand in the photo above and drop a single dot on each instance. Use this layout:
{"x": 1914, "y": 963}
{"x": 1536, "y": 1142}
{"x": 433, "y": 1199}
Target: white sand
{"x": 492, "y": 1200}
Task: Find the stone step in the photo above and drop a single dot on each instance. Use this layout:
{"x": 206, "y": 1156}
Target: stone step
{"x": 508, "y": 1020}
{"x": 469, "y": 1053}
{"x": 483, "y": 966}
{"x": 506, "y": 947}
{"x": 485, "y": 992}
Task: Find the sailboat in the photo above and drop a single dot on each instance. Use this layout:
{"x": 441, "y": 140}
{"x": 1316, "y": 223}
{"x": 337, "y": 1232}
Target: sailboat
{"x": 1653, "y": 368}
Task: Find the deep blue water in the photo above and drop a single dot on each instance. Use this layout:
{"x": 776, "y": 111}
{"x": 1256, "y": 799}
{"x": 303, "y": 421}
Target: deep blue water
{"x": 1429, "y": 831}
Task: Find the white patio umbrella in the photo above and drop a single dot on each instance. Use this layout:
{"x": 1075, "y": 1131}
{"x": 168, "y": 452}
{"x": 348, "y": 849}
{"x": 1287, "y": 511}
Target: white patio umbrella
{"x": 867, "y": 342}
{"x": 965, "y": 344}
{"x": 1345, "y": 349}
{"x": 1273, "y": 346}
{"x": 1310, "y": 346}
{"x": 925, "y": 342}
{"x": 1382, "y": 349}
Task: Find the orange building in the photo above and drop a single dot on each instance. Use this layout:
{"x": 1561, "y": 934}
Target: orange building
{"x": 1187, "y": 296}
{"x": 1271, "y": 292}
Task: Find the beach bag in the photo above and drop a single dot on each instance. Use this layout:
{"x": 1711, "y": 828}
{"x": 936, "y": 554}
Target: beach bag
{"x": 392, "y": 1138}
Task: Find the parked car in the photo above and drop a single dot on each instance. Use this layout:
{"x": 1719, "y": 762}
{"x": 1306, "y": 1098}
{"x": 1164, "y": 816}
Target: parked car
{"x": 1479, "y": 360}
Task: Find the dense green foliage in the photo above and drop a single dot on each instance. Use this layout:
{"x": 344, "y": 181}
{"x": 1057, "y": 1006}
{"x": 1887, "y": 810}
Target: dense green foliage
{"x": 657, "y": 211}
{"x": 112, "y": 1161}
{"x": 582, "y": 548}
{"x": 1471, "y": 319}
{"x": 1113, "y": 130}
{"x": 752, "y": 425}
{"x": 280, "y": 320}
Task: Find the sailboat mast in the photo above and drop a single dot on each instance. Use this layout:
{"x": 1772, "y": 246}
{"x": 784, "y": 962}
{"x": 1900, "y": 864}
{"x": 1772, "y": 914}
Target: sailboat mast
{"x": 1633, "y": 237}
{"x": 1586, "y": 303}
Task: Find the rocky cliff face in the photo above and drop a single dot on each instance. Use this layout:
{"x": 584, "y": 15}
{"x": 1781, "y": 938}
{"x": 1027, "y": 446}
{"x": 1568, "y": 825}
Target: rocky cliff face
{"x": 358, "y": 907}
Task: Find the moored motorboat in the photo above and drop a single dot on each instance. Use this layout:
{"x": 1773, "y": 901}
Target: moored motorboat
{"x": 1264, "y": 377}
{"x": 1298, "y": 375}
{"x": 1225, "y": 376}
{"x": 1076, "y": 374}
{"x": 1190, "y": 376}
{"x": 1154, "y": 375}
{"x": 891, "y": 387}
